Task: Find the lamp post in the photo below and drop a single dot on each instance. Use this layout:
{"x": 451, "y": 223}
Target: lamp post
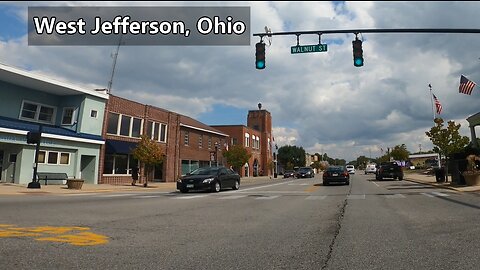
{"x": 216, "y": 154}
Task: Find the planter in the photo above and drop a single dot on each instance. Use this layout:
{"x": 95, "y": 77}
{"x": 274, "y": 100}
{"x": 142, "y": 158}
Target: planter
{"x": 472, "y": 179}
{"x": 75, "y": 183}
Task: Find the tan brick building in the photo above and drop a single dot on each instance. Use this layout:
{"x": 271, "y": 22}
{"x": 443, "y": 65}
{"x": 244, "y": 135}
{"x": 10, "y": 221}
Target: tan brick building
{"x": 257, "y": 138}
{"x": 186, "y": 143}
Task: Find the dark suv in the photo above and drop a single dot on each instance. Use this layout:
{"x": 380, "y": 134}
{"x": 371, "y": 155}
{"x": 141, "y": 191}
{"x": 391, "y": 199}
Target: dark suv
{"x": 389, "y": 170}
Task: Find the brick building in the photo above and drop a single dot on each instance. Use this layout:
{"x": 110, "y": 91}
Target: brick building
{"x": 186, "y": 143}
{"x": 256, "y": 137}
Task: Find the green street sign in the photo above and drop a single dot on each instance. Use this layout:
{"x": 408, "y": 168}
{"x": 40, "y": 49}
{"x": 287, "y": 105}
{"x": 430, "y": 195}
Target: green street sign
{"x": 309, "y": 48}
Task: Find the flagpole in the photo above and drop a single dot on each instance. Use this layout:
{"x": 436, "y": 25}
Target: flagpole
{"x": 431, "y": 99}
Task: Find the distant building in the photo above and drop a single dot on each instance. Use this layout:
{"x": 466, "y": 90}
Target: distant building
{"x": 257, "y": 138}
{"x": 424, "y": 160}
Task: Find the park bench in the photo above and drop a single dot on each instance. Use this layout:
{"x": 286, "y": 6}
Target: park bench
{"x": 48, "y": 176}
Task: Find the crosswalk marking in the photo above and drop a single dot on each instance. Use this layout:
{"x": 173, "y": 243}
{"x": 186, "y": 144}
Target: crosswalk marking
{"x": 394, "y": 196}
{"x": 356, "y": 197}
{"x": 315, "y": 197}
{"x": 267, "y": 197}
{"x": 439, "y": 194}
{"x": 428, "y": 195}
{"x": 190, "y": 197}
{"x": 232, "y": 197}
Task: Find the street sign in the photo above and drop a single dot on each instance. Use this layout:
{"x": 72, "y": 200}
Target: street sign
{"x": 309, "y": 48}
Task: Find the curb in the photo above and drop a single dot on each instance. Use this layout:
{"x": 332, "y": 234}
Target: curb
{"x": 432, "y": 184}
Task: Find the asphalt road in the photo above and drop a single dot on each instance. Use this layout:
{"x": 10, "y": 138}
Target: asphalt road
{"x": 292, "y": 224}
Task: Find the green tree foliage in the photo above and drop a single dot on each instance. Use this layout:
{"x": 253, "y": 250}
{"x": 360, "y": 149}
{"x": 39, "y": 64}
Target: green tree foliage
{"x": 361, "y": 162}
{"x": 447, "y": 140}
{"x": 291, "y": 156}
{"x": 400, "y": 152}
{"x": 149, "y": 153}
{"x": 237, "y": 156}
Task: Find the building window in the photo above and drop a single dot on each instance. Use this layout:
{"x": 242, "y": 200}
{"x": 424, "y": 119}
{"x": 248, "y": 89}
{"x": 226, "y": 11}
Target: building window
{"x": 67, "y": 118}
{"x": 209, "y": 142}
{"x": 118, "y": 164}
{"x": 186, "y": 139}
{"x": 93, "y": 113}
{"x": 41, "y": 156}
{"x": 37, "y": 112}
{"x": 200, "y": 141}
{"x": 163, "y": 133}
{"x": 112, "y": 126}
{"x": 136, "y": 127}
{"x": 247, "y": 140}
{"x": 125, "y": 125}
{"x": 52, "y": 158}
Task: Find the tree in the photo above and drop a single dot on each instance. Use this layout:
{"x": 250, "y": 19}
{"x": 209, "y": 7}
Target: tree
{"x": 447, "y": 140}
{"x": 400, "y": 152}
{"x": 291, "y": 156}
{"x": 237, "y": 156}
{"x": 149, "y": 153}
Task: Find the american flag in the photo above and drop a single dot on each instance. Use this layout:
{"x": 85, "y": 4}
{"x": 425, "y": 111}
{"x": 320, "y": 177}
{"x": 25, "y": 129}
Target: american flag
{"x": 437, "y": 105}
{"x": 466, "y": 86}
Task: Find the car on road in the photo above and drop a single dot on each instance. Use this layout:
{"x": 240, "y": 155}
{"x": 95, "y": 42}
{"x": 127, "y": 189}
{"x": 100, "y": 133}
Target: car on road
{"x": 371, "y": 168}
{"x": 350, "y": 169}
{"x": 213, "y": 179}
{"x": 305, "y": 172}
{"x": 336, "y": 174}
{"x": 289, "y": 174}
{"x": 389, "y": 170}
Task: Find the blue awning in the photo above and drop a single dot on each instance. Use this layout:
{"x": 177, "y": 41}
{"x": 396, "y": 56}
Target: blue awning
{"x": 119, "y": 147}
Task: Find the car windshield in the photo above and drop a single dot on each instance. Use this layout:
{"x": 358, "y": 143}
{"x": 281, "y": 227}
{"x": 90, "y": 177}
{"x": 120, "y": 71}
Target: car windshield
{"x": 205, "y": 171}
{"x": 303, "y": 170}
{"x": 335, "y": 169}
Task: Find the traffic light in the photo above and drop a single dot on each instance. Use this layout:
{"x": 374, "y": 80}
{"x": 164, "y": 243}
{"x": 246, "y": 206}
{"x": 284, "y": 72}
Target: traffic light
{"x": 33, "y": 137}
{"x": 357, "y": 53}
{"x": 260, "y": 55}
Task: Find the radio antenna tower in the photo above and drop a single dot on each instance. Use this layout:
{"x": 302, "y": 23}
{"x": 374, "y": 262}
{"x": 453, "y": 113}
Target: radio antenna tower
{"x": 109, "y": 89}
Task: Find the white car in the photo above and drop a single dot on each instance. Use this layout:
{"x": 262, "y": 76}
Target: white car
{"x": 371, "y": 168}
{"x": 350, "y": 169}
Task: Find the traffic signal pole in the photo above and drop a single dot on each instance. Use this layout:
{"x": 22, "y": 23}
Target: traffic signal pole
{"x": 357, "y": 49}
{"x": 35, "y": 183}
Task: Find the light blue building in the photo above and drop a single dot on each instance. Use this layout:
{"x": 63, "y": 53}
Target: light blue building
{"x": 71, "y": 118}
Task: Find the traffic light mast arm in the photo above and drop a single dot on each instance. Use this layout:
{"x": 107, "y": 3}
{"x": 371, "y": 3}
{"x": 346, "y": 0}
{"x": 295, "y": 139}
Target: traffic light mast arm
{"x": 356, "y": 31}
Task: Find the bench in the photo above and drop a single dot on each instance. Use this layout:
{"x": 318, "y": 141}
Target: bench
{"x": 46, "y": 176}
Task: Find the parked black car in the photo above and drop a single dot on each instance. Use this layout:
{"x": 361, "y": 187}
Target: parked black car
{"x": 209, "y": 178}
{"x": 389, "y": 170}
{"x": 305, "y": 172}
{"x": 336, "y": 174}
{"x": 289, "y": 173}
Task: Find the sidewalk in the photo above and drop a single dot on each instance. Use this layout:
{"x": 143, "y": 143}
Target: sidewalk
{"x": 431, "y": 180}
{"x": 21, "y": 189}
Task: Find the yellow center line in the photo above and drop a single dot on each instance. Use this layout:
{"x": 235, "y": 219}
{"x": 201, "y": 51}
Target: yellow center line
{"x": 77, "y": 236}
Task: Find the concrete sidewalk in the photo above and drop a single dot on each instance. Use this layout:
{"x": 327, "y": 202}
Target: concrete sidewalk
{"x": 431, "y": 180}
{"x": 21, "y": 189}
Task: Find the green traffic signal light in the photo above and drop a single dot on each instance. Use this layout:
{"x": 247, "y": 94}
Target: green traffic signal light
{"x": 260, "y": 55}
{"x": 357, "y": 53}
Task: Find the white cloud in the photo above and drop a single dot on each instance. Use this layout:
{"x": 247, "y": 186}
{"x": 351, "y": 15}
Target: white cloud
{"x": 319, "y": 101}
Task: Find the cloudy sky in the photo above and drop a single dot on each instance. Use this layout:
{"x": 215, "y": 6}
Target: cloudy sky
{"x": 319, "y": 101}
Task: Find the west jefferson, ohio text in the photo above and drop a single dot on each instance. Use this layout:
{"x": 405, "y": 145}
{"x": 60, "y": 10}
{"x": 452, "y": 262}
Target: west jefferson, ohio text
{"x": 123, "y": 25}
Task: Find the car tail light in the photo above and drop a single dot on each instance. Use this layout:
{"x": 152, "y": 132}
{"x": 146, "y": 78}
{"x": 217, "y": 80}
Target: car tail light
{"x": 345, "y": 174}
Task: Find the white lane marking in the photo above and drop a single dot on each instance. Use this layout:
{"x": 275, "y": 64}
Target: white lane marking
{"x": 190, "y": 197}
{"x": 376, "y": 184}
{"x": 315, "y": 197}
{"x": 356, "y": 197}
{"x": 394, "y": 196}
{"x": 271, "y": 191}
{"x": 439, "y": 194}
{"x": 232, "y": 197}
{"x": 301, "y": 184}
{"x": 428, "y": 195}
{"x": 149, "y": 196}
{"x": 264, "y": 186}
{"x": 267, "y": 198}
